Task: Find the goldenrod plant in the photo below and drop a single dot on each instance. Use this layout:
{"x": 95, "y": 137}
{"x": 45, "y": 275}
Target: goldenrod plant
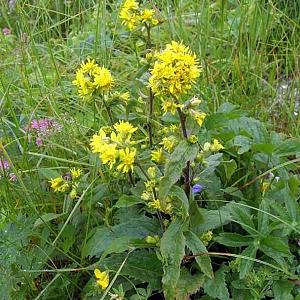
{"x": 139, "y": 158}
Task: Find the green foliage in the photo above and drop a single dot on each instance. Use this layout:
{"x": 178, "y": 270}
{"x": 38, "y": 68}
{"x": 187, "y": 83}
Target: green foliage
{"x": 202, "y": 222}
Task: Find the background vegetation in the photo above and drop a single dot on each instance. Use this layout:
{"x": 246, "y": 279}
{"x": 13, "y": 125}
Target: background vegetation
{"x": 249, "y": 51}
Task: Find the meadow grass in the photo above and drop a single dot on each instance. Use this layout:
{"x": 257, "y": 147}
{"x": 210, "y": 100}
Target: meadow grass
{"x": 247, "y": 50}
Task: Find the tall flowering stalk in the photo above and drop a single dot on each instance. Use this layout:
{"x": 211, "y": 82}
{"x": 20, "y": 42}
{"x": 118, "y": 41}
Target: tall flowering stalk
{"x": 175, "y": 70}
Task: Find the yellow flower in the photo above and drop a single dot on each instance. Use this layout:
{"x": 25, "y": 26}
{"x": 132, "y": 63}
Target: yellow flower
{"x": 199, "y": 117}
{"x": 125, "y": 97}
{"x": 147, "y": 16}
{"x": 124, "y": 128}
{"x": 88, "y": 67}
{"x": 193, "y": 139}
{"x": 127, "y": 157}
{"x": 76, "y": 173}
{"x": 158, "y": 156}
{"x": 91, "y": 78}
{"x": 109, "y": 154}
{"x": 129, "y": 14}
{"x": 155, "y": 204}
{"x": 169, "y": 143}
{"x": 216, "y": 146}
{"x": 102, "y": 278}
{"x": 169, "y": 106}
{"x": 98, "y": 141}
{"x": 151, "y": 172}
{"x": 175, "y": 70}
{"x": 58, "y": 184}
{"x": 264, "y": 187}
{"x": 103, "y": 80}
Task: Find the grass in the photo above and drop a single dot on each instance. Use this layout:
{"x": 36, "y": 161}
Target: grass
{"x": 246, "y": 48}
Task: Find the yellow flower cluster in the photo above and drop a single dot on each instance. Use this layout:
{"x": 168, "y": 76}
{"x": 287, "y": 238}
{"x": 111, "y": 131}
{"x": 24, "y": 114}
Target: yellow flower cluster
{"x": 175, "y": 70}
{"x": 158, "y": 156}
{"x": 215, "y": 146}
{"x": 170, "y": 106}
{"x": 198, "y": 116}
{"x": 102, "y": 278}
{"x": 91, "y": 78}
{"x": 116, "y": 146}
{"x": 132, "y": 15}
{"x": 68, "y": 181}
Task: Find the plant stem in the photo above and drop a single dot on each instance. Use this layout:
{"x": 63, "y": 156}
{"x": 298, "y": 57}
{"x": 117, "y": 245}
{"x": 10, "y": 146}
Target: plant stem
{"x": 186, "y": 171}
{"x": 151, "y": 98}
{"x": 160, "y": 218}
{"x": 131, "y": 179}
{"x": 108, "y": 111}
{"x": 151, "y": 95}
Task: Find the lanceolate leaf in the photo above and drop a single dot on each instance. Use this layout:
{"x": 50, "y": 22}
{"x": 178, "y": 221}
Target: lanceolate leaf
{"x": 142, "y": 265}
{"x": 183, "y": 153}
{"x": 121, "y": 235}
{"x": 172, "y": 251}
{"x": 233, "y": 239}
{"x": 245, "y": 263}
{"x": 216, "y": 287}
{"x": 196, "y": 245}
{"x": 188, "y": 284}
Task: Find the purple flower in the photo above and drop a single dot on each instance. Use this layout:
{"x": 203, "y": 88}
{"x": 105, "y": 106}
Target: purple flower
{"x": 6, "y": 31}
{"x": 39, "y": 142}
{"x": 44, "y": 128}
{"x": 197, "y": 188}
{"x": 13, "y": 177}
{"x": 4, "y": 164}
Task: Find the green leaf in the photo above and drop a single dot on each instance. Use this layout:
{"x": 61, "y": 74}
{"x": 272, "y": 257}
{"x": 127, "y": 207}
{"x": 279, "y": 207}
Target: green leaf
{"x": 188, "y": 284}
{"x": 263, "y": 217}
{"x": 196, "y": 246}
{"x": 233, "y": 239}
{"x": 183, "y": 153}
{"x": 242, "y": 216}
{"x": 264, "y": 148}
{"x": 46, "y": 218}
{"x": 243, "y": 142}
{"x": 211, "y": 219}
{"x": 282, "y": 290}
{"x": 229, "y": 167}
{"x": 274, "y": 247}
{"x": 49, "y": 173}
{"x": 246, "y": 265}
{"x": 172, "y": 247}
{"x": 179, "y": 194}
{"x": 288, "y": 147}
{"x": 216, "y": 287}
{"x": 142, "y": 265}
{"x": 120, "y": 237}
{"x": 127, "y": 201}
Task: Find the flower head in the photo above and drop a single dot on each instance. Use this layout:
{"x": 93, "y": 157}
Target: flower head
{"x": 199, "y": 117}
{"x": 91, "y": 78}
{"x": 169, "y": 106}
{"x": 127, "y": 158}
{"x": 129, "y": 14}
{"x": 147, "y": 16}
{"x": 102, "y": 278}
{"x": 169, "y": 143}
{"x": 197, "y": 188}
{"x": 175, "y": 70}
{"x": 216, "y": 146}
{"x": 76, "y": 173}
{"x": 158, "y": 156}
{"x": 125, "y": 128}
{"x": 58, "y": 184}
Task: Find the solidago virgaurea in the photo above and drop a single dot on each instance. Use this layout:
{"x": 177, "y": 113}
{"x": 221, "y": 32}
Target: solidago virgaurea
{"x": 175, "y": 70}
